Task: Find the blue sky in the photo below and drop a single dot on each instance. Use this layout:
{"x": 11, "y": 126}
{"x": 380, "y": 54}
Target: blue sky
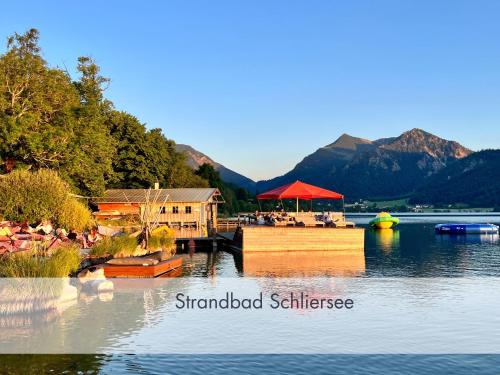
{"x": 257, "y": 85}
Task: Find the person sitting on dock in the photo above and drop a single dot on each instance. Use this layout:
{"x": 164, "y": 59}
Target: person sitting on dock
{"x": 25, "y": 228}
{"x": 72, "y": 235}
{"x": 62, "y": 234}
{"x": 93, "y": 237}
{"x": 44, "y": 228}
{"x": 328, "y": 220}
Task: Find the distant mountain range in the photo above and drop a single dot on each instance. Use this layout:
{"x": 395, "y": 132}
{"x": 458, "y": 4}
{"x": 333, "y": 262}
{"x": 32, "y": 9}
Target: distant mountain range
{"x": 195, "y": 158}
{"x": 416, "y": 165}
{"x": 380, "y": 169}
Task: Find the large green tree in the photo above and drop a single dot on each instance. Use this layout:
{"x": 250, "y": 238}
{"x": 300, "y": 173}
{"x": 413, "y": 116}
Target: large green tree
{"x": 36, "y": 103}
{"x": 93, "y": 149}
{"x": 145, "y": 157}
{"x": 49, "y": 121}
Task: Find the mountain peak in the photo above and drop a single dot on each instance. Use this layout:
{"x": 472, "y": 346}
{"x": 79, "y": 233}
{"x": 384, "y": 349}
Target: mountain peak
{"x": 416, "y": 132}
{"x": 348, "y": 142}
{"x": 418, "y": 140}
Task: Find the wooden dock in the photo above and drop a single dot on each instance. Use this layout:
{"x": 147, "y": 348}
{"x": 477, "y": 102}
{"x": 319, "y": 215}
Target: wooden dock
{"x": 261, "y": 238}
{"x": 113, "y": 270}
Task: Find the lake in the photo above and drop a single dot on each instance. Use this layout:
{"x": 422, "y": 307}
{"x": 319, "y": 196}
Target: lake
{"x": 412, "y": 250}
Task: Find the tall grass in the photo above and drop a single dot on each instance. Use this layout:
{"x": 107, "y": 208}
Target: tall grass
{"x": 63, "y": 261}
{"x": 111, "y": 246}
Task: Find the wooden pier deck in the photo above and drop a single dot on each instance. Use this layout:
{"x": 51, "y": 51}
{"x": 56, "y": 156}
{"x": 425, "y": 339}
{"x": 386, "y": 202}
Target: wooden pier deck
{"x": 138, "y": 271}
{"x": 261, "y": 238}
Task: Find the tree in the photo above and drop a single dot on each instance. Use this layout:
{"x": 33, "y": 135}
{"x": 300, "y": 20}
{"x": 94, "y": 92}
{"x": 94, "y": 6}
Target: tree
{"x": 36, "y": 105}
{"x": 145, "y": 157}
{"x": 130, "y": 163}
{"x": 237, "y": 199}
{"x": 93, "y": 148}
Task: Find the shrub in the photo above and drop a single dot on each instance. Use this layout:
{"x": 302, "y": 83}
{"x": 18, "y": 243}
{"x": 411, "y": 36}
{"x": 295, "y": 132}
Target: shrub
{"x": 40, "y": 195}
{"x": 160, "y": 241}
{"x": 111, "y": 246}
{"x": 63, "y": 261}
{"x": 162, "y": 237}
{"x": 75, "y": 215}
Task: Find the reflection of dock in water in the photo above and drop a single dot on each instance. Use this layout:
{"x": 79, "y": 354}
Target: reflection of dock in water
{"x": 304, "y": 263}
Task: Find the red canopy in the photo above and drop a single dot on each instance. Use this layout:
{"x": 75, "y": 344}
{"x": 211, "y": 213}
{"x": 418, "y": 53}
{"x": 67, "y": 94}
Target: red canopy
{"x": 300, "y": 190}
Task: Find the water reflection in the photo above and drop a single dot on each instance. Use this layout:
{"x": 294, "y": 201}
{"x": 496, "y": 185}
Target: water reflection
{"x": 447, "y": 239}
{"x": 133, "y": 306}
{"x": 387, "y": 239}
{"x": 304, "y": 263}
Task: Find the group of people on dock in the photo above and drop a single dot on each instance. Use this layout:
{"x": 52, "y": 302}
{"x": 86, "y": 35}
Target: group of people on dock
{"x": 270, "y": 218}
{"x": 277, "y": 217}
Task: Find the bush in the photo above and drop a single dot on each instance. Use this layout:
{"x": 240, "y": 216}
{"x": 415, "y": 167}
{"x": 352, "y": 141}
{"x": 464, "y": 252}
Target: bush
{"x": 41, "y": 195}
{"x": 160, "y": 241}
{"x": 162, "y": 238}
{"x": 75, "y": 215}
{"x": 63, "y": 261}
{"x": 111, "y": 246}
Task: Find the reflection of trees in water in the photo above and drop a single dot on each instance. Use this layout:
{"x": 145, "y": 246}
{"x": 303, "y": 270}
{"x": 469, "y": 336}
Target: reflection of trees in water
{"x": 94, "y": 325}
{"x": 56, "y": 364}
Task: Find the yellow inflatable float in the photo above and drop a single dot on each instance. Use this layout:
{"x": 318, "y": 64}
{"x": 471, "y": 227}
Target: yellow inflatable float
{"x": 384, "y": 220}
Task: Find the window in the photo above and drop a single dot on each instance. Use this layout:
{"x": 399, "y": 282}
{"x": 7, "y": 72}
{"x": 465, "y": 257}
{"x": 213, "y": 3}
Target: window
{"x": 188, "y": 209}
{"x": 175, "y": 209}
{"x": 162, "y": 210}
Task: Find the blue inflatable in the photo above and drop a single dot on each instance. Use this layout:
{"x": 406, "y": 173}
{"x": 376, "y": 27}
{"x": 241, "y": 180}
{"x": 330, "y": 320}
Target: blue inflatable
{"x": 466, "y": 228}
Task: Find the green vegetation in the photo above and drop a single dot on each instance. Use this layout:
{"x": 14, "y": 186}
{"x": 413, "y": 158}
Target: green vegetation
{"x": 40, "y": 195}
{"x": 111, "y": 246}
{"x": 63, "y": 261}
{"x": 47, "y": 120}
{"x": 237, "y": 199}
{"x": 473, "y": 181}
{"x": 161, "y": 241}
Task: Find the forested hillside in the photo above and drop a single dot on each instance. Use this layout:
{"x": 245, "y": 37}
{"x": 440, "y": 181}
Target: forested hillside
{"x": 474, "y": 180}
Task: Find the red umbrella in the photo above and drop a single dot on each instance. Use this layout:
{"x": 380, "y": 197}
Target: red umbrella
{"x": 300, "y": 190}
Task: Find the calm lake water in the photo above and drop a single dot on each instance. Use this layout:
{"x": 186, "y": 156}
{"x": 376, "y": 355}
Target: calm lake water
{"x": 411, "y": 250}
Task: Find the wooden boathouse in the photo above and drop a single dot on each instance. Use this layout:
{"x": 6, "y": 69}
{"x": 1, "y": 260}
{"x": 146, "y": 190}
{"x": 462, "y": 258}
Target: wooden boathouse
{"x": 192, "y": 212}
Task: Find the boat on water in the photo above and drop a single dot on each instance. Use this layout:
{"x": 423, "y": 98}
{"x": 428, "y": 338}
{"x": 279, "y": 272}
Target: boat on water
{"x": 384, "y": 220}
{"x": 466, "y": 228}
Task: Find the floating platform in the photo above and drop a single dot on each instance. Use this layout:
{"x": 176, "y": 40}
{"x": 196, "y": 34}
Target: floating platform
{"x": 466, "y": 228}
{"x": 138, "y": 271}
{"x": 261, "y": 238}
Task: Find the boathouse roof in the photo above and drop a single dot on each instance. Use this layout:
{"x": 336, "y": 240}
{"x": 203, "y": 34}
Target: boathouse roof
{"x": 161, "y": 195}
